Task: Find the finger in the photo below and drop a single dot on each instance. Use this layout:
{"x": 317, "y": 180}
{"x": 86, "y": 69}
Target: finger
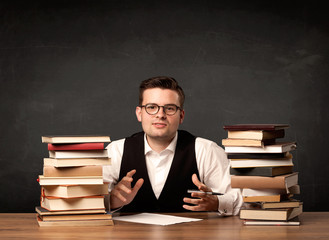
{"x": 126, "y": 180}
{"x": 118, "y": 195}
{"x": 122, "y": 187}
{"x": 193, "y": 208}
{"x": 196, "y": 181}
{"x": 204, "y": 188}
{"x": 131, "y": 173}
{"x": 138, "y": 185}
{"x": 193, "y": 201}
{"x": 200, "y": 185}
{"x": 199, "y": 195}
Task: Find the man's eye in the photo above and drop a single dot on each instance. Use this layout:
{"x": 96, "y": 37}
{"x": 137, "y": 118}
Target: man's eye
{"x": 151, "y": 107}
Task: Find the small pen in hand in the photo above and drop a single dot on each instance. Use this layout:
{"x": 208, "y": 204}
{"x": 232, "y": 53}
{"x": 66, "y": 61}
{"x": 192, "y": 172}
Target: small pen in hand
{"x": 209, "y": 193}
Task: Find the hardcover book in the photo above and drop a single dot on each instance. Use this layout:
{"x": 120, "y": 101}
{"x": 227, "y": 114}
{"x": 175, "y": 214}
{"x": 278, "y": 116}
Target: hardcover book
{"x": 82, "y": 180}
{"x": 279, "y": 147}
{"x": 75, "y": 139}
{"x": 256, "y": 134}
{"x": 270, "y": 191}
{"x": 259, "y": 182}
{"x": 75, "y": 162}
{"x": 271, "y": 214}
{"x": 75, "y": 146}
{"x": 44, "y": 212}
{"x": 51, "y": 171}
{"x": 64, "y": 204}
{"x": 270, "y": 156}
{"x": 247, "y": 142}
{"x": 79, "y": 154}
{"x": 264, "y": 195}
{"x": 291, "y": 203}
{"x": 270, "y": 198}
{"x": 261, "y": 171}
{"x": 75, "y": 217}
{"x": 74, "y": 223}
{"x": 71, "y": 191}
{"x": 293, "y": 222}
{"x": 252, "y": 163}
{"x": 265, "y": 127}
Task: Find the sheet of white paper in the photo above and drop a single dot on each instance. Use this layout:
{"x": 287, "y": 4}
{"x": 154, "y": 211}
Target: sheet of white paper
{"x": 153, "y": 218}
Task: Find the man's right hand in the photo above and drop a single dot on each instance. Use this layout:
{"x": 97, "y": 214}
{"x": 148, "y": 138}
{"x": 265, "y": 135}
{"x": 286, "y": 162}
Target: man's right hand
{"x": 122, "y": 194}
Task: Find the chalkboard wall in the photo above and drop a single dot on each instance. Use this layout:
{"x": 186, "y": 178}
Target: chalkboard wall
{"x": 74, "y": 67}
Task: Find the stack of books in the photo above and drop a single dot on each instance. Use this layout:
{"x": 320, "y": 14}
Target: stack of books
{"x": 262, "y": 168}
{"x": 72, "y": 187}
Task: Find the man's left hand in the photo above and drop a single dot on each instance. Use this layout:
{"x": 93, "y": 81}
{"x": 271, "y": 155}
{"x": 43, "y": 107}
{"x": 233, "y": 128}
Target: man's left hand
{"x": 201, "y": 201}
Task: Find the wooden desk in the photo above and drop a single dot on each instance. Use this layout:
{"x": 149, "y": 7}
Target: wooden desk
{"x": 315, "y": 225}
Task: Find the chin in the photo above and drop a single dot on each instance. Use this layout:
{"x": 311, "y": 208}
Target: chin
{"x": 158, "y": 134}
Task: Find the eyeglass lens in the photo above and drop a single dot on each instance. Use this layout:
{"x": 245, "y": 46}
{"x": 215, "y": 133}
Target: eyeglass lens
{"x": 154, "y": 108}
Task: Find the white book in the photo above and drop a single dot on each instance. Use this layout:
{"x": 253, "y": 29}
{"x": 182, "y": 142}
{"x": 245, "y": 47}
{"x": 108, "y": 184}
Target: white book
{"x": 79, "y": 154}
{"x": 244, "y": 163}
{"x": 75, "y": 139}
{"x": 70, "y": 180}
{"x": 63, "y": 204}
{"x": 75, "y": 223}
{"x": 247, "y": 192}
{"x": 44, "y": 212}
{"x": 70, "y": 191}
{"x": 270, "y": 223}
{"x": 75, "y": 162}
{"x": 280, "y": 147}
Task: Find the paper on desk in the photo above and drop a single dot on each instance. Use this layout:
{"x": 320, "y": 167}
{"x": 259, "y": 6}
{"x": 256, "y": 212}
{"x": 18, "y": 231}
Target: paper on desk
{"x": 153, "y": 218}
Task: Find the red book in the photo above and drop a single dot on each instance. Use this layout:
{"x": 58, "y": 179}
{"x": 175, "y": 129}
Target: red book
{"x": 75, "y": 146}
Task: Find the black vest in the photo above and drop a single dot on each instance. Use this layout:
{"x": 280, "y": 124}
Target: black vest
{"x": 178, "y": 181}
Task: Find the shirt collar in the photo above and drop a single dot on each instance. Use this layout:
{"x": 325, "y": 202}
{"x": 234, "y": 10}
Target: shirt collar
{"x": 171, "y": 147}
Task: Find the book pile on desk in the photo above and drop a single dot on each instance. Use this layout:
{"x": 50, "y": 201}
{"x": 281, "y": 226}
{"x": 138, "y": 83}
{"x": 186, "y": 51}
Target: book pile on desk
{"x": 262, "y": 168}
{"x": 72, "y": 187}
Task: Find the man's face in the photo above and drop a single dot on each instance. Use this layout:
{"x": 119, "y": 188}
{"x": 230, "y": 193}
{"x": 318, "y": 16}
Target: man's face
{"x": 160, "y": 126}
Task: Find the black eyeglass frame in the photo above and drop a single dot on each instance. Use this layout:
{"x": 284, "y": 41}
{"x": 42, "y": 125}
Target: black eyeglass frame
{"x": 164, "y": 108}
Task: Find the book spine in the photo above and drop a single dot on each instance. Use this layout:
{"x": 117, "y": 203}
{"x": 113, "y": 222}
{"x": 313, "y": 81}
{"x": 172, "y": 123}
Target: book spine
{"x": 230, "y": 142}
{"x": 62, "y": 204}
{"x": 91, "y": 180}
{"x": 271, "y": 156}
{"x": 257, "y": 182}
{"x": 256, "y": 134}
{"x": 50, "y": 171}
{"x": 79, "y": 154}
{"x": 264, "y": 171}
{"x": 271, "y": 198}
{"x": 261, "y": 171}
{"x": 276, "y": 148}
{"x": 247, "y": 127}
{"x": 76, "y": 162}
{"x": 76, "y": 146}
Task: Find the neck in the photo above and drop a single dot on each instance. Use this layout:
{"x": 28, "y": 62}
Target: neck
{"x": 158, "y": 144}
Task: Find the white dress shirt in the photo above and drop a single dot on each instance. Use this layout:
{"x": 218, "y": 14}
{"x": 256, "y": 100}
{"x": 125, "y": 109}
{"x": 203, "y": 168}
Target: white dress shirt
{"x": 212, "y": 164}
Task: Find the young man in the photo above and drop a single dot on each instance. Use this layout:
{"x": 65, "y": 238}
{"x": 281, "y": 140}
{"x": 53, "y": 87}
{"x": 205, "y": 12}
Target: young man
{"x": 152, "y": 170}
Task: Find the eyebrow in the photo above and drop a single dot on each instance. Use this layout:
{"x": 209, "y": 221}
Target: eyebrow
{"x": 163, "y": 105}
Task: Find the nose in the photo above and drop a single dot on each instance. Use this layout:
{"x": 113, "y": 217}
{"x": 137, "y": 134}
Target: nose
{"x": 161, "y": 113}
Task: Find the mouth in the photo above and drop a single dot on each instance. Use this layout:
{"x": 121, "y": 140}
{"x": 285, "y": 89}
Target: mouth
{"x": 159, "y": 125}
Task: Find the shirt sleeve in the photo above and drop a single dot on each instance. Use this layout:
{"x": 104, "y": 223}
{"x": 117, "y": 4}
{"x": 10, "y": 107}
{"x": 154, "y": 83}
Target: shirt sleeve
{"x": 111, "y": 172}
{"x": 214, "y": 170}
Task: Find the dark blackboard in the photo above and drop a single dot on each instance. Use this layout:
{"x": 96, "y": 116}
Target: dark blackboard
{"x": 74, "y": 67}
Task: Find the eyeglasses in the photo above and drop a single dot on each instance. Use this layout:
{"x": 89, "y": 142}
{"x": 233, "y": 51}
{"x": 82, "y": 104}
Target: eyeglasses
{"x": 152, "y": 108}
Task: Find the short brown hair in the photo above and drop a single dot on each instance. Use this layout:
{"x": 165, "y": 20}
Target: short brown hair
{"x": 164, "y": 83}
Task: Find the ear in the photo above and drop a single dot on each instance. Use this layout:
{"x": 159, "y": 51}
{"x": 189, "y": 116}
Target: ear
{"x": 182, "y": 115}
{"x": 139, "y": 113}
